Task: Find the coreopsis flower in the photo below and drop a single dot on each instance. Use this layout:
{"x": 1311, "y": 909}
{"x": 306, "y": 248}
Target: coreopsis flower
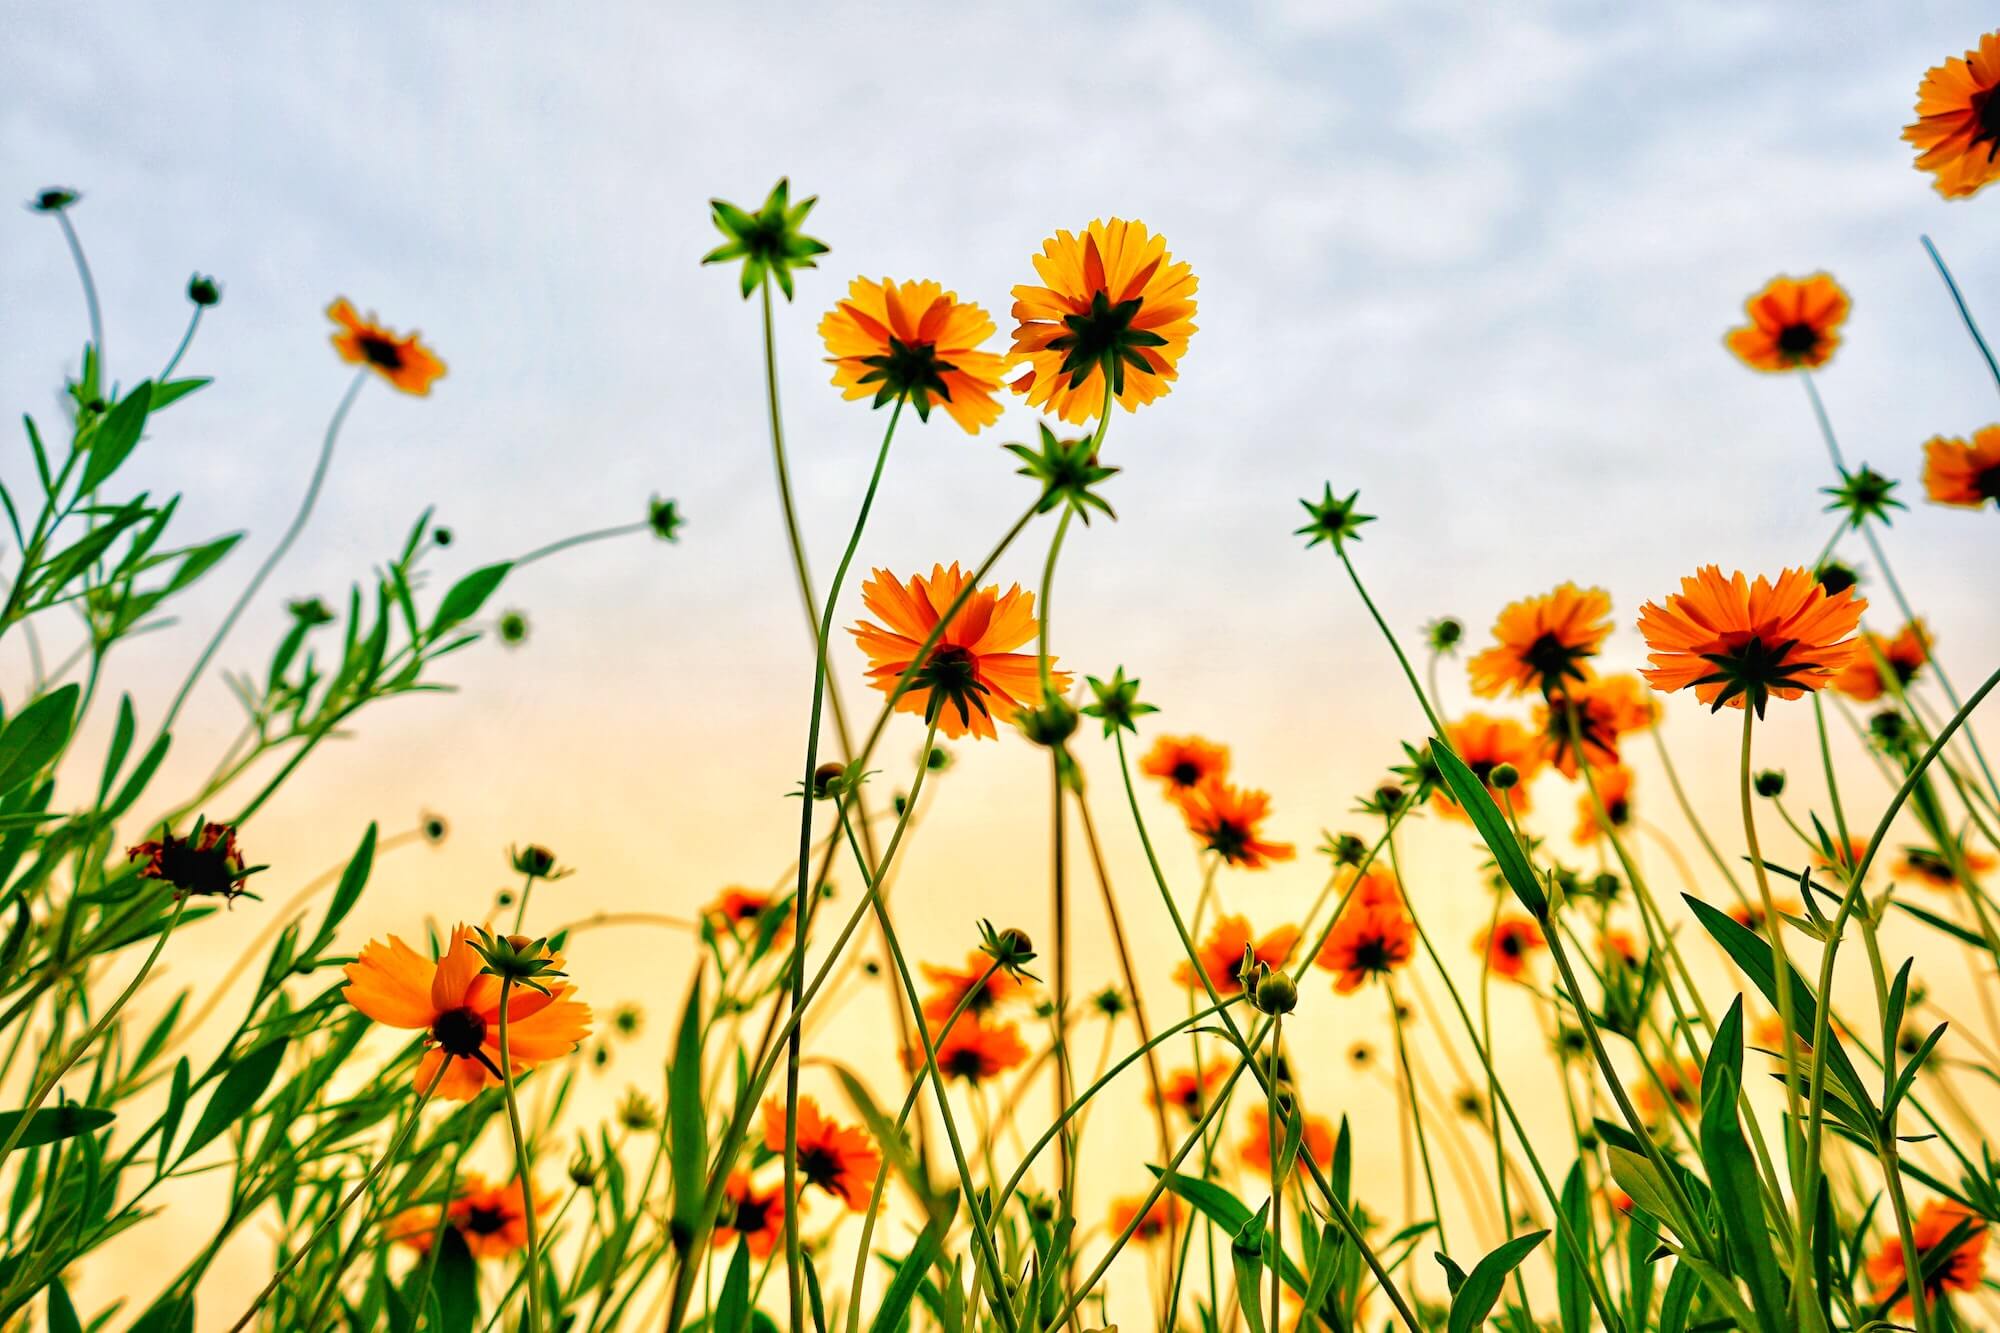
{"x": 1157, "y": 1224}
{"x": 952, "y": 986}
{"x": 491, "y": 1219}
{"x": 1618, "y": 945}
{"x": 1332, "y": 519}
{"x": 1962, "y": 474}
{"x": 1541, "y": 642}
{"x": 976, "y": 1049}
{"x": 1116, "y": 703}
{"x": 1738, "y": 643}
{"x": 972, "y": 675}
{"x": 758, "y": 1216}
{"x": 744, "y": 913}
{"x": 916, "y": 341}
{"x": 1227, "y": 819}
{"x": 840, "y": 1159}
{"x": 1904, "y": 655}
{"x": 1957, "y": 129}
{"x": 206, "y": 863}
{"x": 401, "y": 359}
{"x": 1221, "y": 953}
{"x": 1367, "y": 942}
{"x": 456, "y": 1005}
{"x": 1316, "y": 1140}
{"x": 1933, "y": 1225}
{"x": 1113, "y": 304}
{"x": 1184, "y": 762}
{"x": 1511, "y": 945}
{"x": 1614, "y": 788}
{"x": 1188, "y": 1090}
{"x": 1921, "y": 865}
{"x": 1750, "y": 915}
{"x": 1794, "y": 324}
{"x": 1485, "y": 742}
{"x": 1606, "y": 708}
{"x": 1377, "y": 888}
{"x": 1682, "y": 1081}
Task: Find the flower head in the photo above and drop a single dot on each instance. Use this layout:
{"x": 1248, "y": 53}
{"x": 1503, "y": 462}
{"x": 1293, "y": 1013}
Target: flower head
{"x": 1904, "y": 656}
{"x": 1935, "y": 1223}
{"x": 768, "y": 241}
{"x": 1157, "y": 1224}
{"x": 455, "y": 1003}
{"x": 972, "y": 675}
{"x": 1117, "y": 703}
{"x": 1332, "y": 519}
{"x": 1957, "y": 129}
{"x": 750, "y": 914}
{"x": 206, "y": 863}
{"x": 401, "y": 359}
{"x": 1315, "y": 1141}
{"x": 1863, "y": 494}
{"x": 1606, "y": 708}
{"x": 1964, "y": 475}
{"x": 976, "y": 1050}
{"x": 1221, "y": 953}
{"x": 665, "y": 519}
{"x": 1738, "y": 643}
{"x": 1921, "y": 865}
{"x": 914, "y": 341}
{"x": 491, "y": 1219}
{"x": 1510, "y": 945}
{"x": 1485, "y": 742}
{"x": 1226, "y": 819}
{"x": 986, "y": 992}
{"x": 53, "y": 199}
{"x": 1189, "y": 1090}
{"x": 1185, "y": 762}
{"x": 203, "y": 290}
{"x": 1114, "y": 305}
{"x": 1367, "y": 941}
{"x": 758, "y": 1216}
{"x": 1681, "y": 1081}
{"x": 1794, "y": 324}
{"x": 1614, "y": 788}
{"x": 840, "y": 1159}
{"x": 1541, "y": 642}
{"x": 1067, "y": 471}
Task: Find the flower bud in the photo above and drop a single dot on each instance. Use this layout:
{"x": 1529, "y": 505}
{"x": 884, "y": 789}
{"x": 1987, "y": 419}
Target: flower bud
{"x": 1277, "y": 993}
{"x": 204, "y": 291}
{"x": 1504, "y": 777}
{"x": 1770, "y": 782}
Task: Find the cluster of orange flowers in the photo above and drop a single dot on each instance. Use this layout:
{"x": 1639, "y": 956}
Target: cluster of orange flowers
{"x": 1226, "y": 819}
{"x": 976, "y": 1046}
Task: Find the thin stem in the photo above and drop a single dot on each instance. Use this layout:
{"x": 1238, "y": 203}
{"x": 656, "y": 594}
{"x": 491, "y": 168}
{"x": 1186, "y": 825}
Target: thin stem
{"x": 522, "y": 1171}
{"x": 89, "y": 291}
{"x": 580, "y": 539}
{"x": 194, "y": 322}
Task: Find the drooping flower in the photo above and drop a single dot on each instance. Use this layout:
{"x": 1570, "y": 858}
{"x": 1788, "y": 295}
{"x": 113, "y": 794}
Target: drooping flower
{"x": 972, "y": 675}
{"x": 1614, "y": 788}
{"x": 1794, "y": 324}
{"x": 401, "y": 359}
{"x": 207, "y": 863}
{"x": 952, "y": 986}
{"x": 1316, "y": 1140}
{"x": 1957, "y": 129}
{"x": 456, "y": 1006}
{"x": 1183, "y": 762}
{"x": 745, "y": 913}
{"x": 1226, "y": 819}
{"x": 1736, "y": 642}
{"x": 976, "y": 1049}
{"x": 1222, "y": 953}
{"x": 491, "y": 1219}
{"x": 756, "y": 1215}
{"x": 1541, "y": 642}
{"x": 1606, "y": 709}
{"x": 914, "y": 340}
{"x": 1157, "y": 1224}
{"x": 1921, "y": 865}
{"x": 1934, "y": 1224}
{"x": 840, "y": 1159}
{"x": 1367, "y": 942}
{"x": 1965, "y": 475}
{"x": 1904, "y": 655}
{"x": 1113, "y": 303}
{"x": 1511, "y": 944}
{"x": 1189, "y": 1089}
{"x": 1485, "y": 741}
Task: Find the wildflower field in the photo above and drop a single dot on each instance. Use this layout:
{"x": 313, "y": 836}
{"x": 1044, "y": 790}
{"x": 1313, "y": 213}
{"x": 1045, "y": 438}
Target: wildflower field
{"x": 1536, "y": 1029}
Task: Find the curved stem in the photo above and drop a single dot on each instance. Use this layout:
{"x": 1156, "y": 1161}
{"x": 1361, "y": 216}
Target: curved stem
{"x": 89, "y": 291}
{"x": 580, "y": 539}
{"x": 194, "y": 322}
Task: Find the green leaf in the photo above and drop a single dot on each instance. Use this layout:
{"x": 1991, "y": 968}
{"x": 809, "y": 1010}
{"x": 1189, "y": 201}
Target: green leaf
{"x": 1732, "y": 1173}
{"x": 1475, "y": 1299}
{"x": 175, "y": 390}
{"x": 894, "y": 1311}
{"x": 732, "y": 1307}
{"x": 1246, "y": 1258}
{"x": 170, "y": 1119}
{"x": 35, "y": 736}
{"x": 235, "y": 1095}
{"x": 1224, "y": 1208}
{"x": 115, "y": 436}
{"x": 62, "y": 1312}
{"x": 456, "y": 1285}
{"x": 687, "y": 1123}
{"x": 1494, "y": 830}
{"x": 54, "y": 1123}
{"x": 468, "y": 595}
{"x": 1572, "y": 1280}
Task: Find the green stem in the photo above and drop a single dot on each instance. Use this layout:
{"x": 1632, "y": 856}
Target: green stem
{"x": 522, "y": 1170}
{"x": 194, "y": 322}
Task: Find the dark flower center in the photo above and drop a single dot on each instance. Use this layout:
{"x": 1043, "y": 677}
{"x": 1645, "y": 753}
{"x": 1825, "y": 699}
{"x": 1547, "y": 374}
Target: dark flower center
{"x": 1620, "y": 812}
{"x": 1987, "y": 483}
{"x": 1752, "y": 669}
{"x": 752, "y": 1215}
{"x": 1371, "y": 955}
{"x": 199, "y": 870}
{"x": 1798, "y": 339}
{"x": 1229, "y": 839}
{"x": 1988, "y": 110}
{"x": 965, "y": 1063}
{"x": 911, "y": 369}
{"x": 381, "y": 352}
{"x": 484, "y": 1220}
{"x": 1186, "y": 773}
{"x": 1551, "y": 659}
{"x": 1103, "y": 336}
{"x": 459, "y": 1032}
{"x": 820, "y": 1165}
{"x": 951, "y": 674}
{"x": 1510, "y": 945}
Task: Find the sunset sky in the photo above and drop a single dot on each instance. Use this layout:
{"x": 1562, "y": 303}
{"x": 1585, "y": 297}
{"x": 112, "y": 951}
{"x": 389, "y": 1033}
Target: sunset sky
{"x": 1475, "y": 263}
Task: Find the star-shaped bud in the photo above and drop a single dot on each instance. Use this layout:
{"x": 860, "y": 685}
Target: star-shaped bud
{"x": 1333, "y": 520}
{"x": 1011, "y": 948}
{"x": 1863, "y": 495}
{"x": 1117, "y": 705}
{"x": 1066, "y": 469}
{"x": 768, "y": 241}
{"x": 664, "y": 518}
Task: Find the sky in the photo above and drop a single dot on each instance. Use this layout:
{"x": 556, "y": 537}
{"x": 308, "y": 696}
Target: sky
{"x": 1475, "y": 262}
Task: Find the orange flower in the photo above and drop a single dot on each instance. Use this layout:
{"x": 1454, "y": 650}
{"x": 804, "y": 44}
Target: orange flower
{"x": 1961, "y": 474}
{"x": 739, "y": 912}
{"x": 1682, "y": 1082}
{"x": 953, "y": 986}
{"x": 1961, "y": 1272}
{"x": 1735, "y": 642}
{"x": 1222, "y": 953}
{"x": 403, "y": 360}
{"x": 914, "y": 339}
{"x": 1862, "y": 681}
{"x": 1542, "y": 641}
{"x": 1846, "y": 857}
{"x": 1794, "y": 323}
{"x": 1619, "y": 944}
{"x": 1157, "y": 1224}
{"x": 1315, "y": 1140}
{"x": 1189, "y": 1089}
{"x": 1377, "y": 888}
{"x": 1614, "y": 788}
{"x": 1366, "y": 942}
{"x": 759, "y": 1217}
{"x": 1513, "y": 940}
{"x": 1114, "y": 303}
{"x": 1184, "y": 762}
{"x": 457, "y": 1008}
{"x": 972, "y": 676}
{"x": 1921, "y": 865}
{"x": 1750, "y": 915}
{"x": 976, "y": 1050}
{"x": 1226, "y": 817}
{"x": 491, "y": 1219}
{"x": 1607, "y": 708}
{"x": 1957, "y": 130}
{"x": 840, "y": 1159}
{"x": 1485, "y": 742}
